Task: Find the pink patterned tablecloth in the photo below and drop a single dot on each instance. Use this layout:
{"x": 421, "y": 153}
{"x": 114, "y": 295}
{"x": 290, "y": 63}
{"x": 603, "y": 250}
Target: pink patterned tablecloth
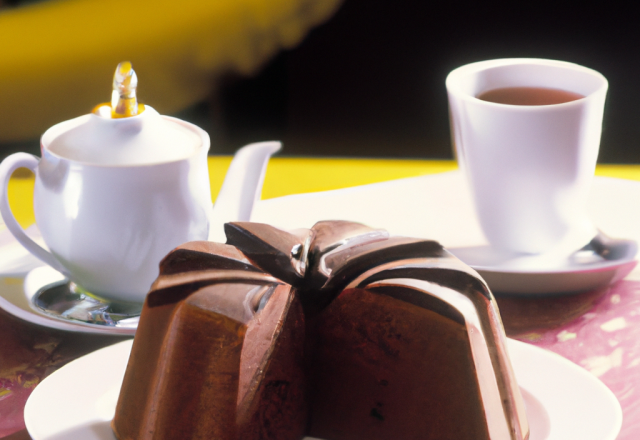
{"x": 605, "y": 340}
{"x": 29, "y": 353}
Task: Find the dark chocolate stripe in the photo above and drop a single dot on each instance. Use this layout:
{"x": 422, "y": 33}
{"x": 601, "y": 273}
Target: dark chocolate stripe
{"x": 174, "y": 288}
{"x": 454, "y": 279}
{"x": 418, "y": 298}
{"x": 274, "y": 258}
{"x": 368, "y": 257}
{"x": 186, "y": 260}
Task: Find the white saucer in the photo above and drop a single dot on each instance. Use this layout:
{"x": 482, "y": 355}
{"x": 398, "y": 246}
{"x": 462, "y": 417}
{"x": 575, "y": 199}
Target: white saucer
{"x": 562, "y": 400}
{"x": 439, "y": 207}
{"x": 44, "y": 276}
{"x": 16, "y": 293}
{"x": 546, "y": 274}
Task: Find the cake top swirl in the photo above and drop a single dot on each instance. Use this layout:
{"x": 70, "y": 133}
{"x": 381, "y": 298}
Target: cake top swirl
{"x": 319, "y": 262}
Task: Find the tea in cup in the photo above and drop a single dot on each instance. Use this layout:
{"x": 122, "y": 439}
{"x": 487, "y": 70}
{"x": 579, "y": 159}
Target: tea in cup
{"x": 526, "y": 134}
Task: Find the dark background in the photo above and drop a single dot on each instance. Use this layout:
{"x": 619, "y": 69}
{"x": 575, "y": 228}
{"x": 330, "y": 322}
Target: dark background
{"x": 370, "y": 81}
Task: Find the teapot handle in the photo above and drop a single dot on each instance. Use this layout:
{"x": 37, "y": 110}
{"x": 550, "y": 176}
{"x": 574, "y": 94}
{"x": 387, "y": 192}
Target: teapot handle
{"x": 7, "y": 167}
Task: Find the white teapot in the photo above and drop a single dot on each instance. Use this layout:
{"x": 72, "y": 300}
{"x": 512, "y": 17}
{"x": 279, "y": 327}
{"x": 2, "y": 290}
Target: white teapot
{"x": 113, "y": 195}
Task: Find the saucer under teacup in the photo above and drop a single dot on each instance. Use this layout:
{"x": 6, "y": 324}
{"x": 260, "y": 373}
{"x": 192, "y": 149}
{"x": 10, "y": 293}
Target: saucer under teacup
{"x": 601, "y": 262}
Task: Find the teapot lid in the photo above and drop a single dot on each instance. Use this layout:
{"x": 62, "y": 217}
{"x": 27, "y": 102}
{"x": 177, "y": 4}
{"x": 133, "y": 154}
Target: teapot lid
{"x": 124, "y": 133}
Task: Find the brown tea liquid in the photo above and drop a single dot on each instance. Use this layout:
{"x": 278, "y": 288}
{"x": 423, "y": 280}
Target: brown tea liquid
{"x": 528, "y": 96}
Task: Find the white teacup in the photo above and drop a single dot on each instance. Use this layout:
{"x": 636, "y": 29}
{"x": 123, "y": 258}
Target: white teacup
{"x": 530, "y": 167}
{"x": 109, "y": 215}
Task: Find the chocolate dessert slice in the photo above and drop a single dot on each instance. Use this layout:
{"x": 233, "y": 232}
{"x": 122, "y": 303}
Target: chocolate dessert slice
{"x": 339, "y": 332}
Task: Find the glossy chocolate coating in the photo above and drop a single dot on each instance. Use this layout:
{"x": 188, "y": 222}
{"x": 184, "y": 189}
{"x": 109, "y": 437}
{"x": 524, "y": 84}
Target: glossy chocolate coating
{"x": 332, "y": 332}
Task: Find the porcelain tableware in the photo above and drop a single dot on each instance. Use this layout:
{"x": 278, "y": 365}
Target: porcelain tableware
{"x": 118, "y": 188}
{"x": 115, "y": 190}
{"x": 107, "y": 225}
{"x": 599, "y": 264}
{"x": 529, "y": 167}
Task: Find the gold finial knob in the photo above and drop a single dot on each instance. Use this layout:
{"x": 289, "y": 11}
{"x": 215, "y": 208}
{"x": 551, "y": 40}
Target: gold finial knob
{"x": 124, "y": 102}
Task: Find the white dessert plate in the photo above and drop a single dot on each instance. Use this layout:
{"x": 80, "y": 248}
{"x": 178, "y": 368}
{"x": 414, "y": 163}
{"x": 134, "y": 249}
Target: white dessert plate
{"x": 439, "y": 207}
{"x": 562, "y": 400}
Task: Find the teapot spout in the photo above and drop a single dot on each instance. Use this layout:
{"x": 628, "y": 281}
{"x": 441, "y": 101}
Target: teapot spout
{"x": 242, "y": 186}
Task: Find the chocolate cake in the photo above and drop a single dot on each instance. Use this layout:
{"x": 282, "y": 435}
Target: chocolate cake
{"x": 338, "y": 332}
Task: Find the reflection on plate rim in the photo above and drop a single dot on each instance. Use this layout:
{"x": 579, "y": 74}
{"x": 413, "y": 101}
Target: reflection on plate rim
{"x": 34, "y": 316}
